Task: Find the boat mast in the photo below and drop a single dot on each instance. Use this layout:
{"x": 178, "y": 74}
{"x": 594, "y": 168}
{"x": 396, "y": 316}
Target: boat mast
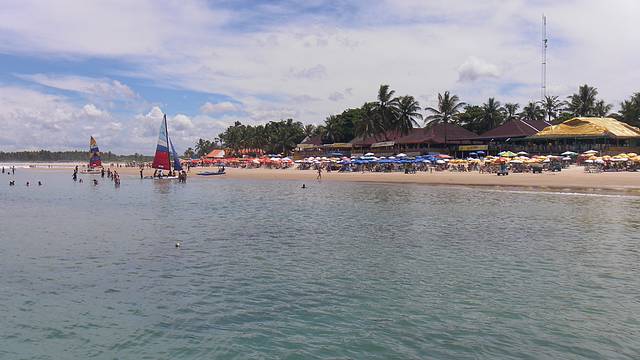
{"x": 166, "y": 132}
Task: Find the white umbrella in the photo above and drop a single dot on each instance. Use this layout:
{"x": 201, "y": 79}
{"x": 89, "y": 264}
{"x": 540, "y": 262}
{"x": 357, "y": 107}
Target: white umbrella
{"x": 588, "y": 161}
{"x": 591, "y": 152}
{"x": 401, "y": 155}
{"x": 522, "y": 153}
{"x": 368, "y": 154}
{"x": 516, "y": 162}
{"x": 566, "y": 158}
{"x": 568, "y": 153}
{"x": 599, "y": 161}
{"x": 546, "y": 160}
{"x": 440, "y": 161}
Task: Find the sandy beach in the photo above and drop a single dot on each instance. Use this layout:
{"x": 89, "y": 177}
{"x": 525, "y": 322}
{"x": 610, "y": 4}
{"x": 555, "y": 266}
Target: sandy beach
{"x": 572, "y": 179}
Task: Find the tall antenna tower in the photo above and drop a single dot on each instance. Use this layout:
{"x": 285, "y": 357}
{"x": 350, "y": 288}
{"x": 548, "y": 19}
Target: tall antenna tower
{"x": 543, "y": 80}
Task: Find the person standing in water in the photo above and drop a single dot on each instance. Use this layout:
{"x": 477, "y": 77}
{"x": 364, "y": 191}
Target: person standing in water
{"x": 141, "y": 169}
{"x": 13, "y": 170}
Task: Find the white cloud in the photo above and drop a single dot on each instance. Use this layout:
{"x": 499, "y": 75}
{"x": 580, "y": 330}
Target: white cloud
{"x": 221, "y": 107}
{"x": 92, "y": 110}
{"x": 104, "y": 88}
{"x": 474, "y": 68}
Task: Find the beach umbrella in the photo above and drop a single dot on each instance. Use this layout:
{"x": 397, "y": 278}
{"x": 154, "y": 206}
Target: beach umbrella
{"x": 443, "y": 156}
{"x": 591, "y": 152}
{"x": 480, "y": 152}
{"x": 368, "y": 154}
{"x": 522, "y": 153}
{"x": 589, "y": 161}
{"x": 507, "y": 154}
{"x": 566, "y": 158}
{"x": 516, "y": 161}
{"x": 440, "y": 161}
{"x": 401, "y": 155}
{"x": 569, "y": 153}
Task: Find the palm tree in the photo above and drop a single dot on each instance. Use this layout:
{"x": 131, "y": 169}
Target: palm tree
{"x": 189, "y": 153}
{"x": 369, "y": 124}
{"x": 551, "y": 105}
{"x": 387, "y": 108}
{"x": 630, "y": 110}
{"x": 408, "y": 112}
{"x": 309, "y": 130}
{"x": 532, "y": 112}
{"x": 601, "y": 108}
{"x": 448, "y": 108}
{"x": 511, "y": 110}
{"x": 583, "y": 102}
{"x": 492, "y": 114}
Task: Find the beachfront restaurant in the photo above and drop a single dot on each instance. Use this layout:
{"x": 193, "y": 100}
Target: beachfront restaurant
{"x": 441, "y": 138}
{"x": 512, "y": 135}
{"x": 310, "y": 146}
{"x": 580, "y": 134}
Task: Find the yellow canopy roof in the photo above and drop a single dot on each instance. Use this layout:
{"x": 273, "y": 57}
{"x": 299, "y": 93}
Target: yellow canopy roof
{"x": 590, "y": 127}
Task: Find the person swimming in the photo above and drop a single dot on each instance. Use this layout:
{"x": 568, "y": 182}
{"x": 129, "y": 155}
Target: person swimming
{"x": 304, "y": 186}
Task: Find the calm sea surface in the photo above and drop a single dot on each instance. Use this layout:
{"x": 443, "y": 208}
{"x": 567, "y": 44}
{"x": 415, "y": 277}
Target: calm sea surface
{"x": 336, "y": 271}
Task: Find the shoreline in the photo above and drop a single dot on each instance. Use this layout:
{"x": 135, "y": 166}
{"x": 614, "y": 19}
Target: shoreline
{"x": 573, "y": 179}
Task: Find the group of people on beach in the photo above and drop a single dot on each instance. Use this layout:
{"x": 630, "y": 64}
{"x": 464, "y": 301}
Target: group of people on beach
{"x": 182, "y": 175}
{"x": 111, "y": 174}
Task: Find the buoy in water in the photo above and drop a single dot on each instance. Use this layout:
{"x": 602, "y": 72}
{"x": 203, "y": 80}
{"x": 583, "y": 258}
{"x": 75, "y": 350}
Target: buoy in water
{"x": 178, "y": 244}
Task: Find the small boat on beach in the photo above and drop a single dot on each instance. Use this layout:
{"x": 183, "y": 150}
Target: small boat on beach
{"x": 95, "y": 162}
{"x": 213, "y": 173}
{"x": 162, "y": 158}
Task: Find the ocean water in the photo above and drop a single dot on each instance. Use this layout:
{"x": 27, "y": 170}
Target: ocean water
{"x": 335, "y": 271}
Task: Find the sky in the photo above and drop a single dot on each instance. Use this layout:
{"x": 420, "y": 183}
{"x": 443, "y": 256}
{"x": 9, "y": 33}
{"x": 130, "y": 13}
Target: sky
{"x": 74, "y": 69}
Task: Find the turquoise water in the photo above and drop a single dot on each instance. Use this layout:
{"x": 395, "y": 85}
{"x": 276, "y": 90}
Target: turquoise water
{"x": 336, "y": 271}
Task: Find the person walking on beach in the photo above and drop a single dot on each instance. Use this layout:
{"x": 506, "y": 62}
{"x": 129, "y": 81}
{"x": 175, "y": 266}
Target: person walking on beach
{"x": 319, "y": 177}
{"x": 102, "y": 173}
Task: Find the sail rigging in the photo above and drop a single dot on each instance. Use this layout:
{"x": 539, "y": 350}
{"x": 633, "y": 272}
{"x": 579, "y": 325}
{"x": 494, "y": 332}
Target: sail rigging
{"x": 95, "y": 160}
{"x": 176, "y": 160}
{"x": 161, "y": 160}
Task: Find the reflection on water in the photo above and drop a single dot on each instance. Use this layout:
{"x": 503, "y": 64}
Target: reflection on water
{"x": 338, "y": 270}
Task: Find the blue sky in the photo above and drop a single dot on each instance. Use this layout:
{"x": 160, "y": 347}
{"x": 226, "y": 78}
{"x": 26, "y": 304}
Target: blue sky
{"x": 75, "y": 69}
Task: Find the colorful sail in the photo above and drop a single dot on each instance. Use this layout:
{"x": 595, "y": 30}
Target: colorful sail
{"x": 161, "y": 159}
{"x": 176, "y": 160}
{"x": 95, "y": 160}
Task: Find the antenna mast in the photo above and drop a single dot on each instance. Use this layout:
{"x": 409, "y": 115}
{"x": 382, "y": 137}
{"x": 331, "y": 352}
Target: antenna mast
{"x": 543, "y": 88}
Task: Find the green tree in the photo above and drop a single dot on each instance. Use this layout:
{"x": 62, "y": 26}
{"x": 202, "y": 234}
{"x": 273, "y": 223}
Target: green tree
{"x": 387, "y": 108}
{"x": 408, "y": 114}
{"x": 552, "y": 106}
{"x": 449, "y": 107}
{"x": 583, "y": 102}
{"x": 532, "y": 111}
{"x": 309, "y": 130}
{"x": 492, "y": 115}
{"x": 630, "y": 110}
{"x": 189, "y": 153}
{"x": 601, "y": 108}
{"x": 369, "y": 123}
{"x": 470, "y": 118}
{"x": 511, "y": 111}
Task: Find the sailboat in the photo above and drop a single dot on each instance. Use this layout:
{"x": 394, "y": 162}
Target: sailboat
{"x": 162, "y": 158}
{"x": 94, "y": 161}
